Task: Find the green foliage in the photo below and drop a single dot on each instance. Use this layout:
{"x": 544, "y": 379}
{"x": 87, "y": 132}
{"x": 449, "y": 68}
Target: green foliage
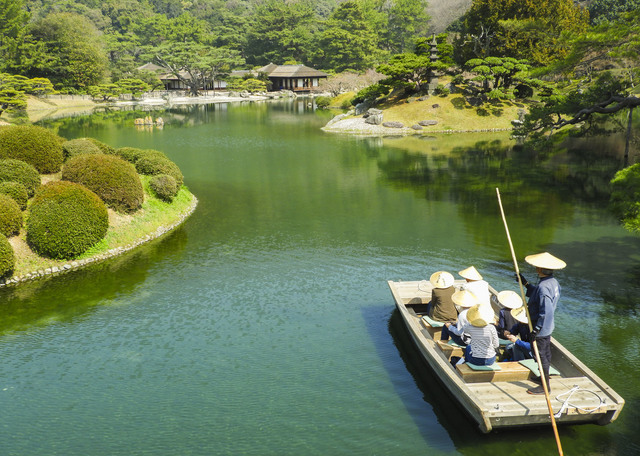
{"x": 407, "y": 19}
{"x": 35, "y": 145}
{"x": 12, "y": 170}
{"x": 196, "y": 65}
{"x": 79, "y": 146}
{"x": 13, "y": 89}
{"x": 280, "y": 32}
{"x": 601, "y": 11}
{"x": 104, "y": 92}
{"x": 74, "y": 54}
{"x": 105, "y": 148}
{"x": 164, "y": 186}
{"x": 348, "y": 41}
{"x": 523, "y": 29}
{"x": 498, "y": 74}
{"x": 16, "y": 191}
{"x": 136, "y": 87}
{"x": 133, "y": 154}
{"x": 110, "y": 177}
{"x": 323, "y": 102}
{"x": 10, "y": 216}
{"x": 7, "y": 258}
{"x": 441, "y": 90}
{"x": 152, "y": 165}
{"x": 371, "y": 93}
{"x": 409, "y": 70}
{"x": 65, "y": 220}
{"x": 625, "y": 197}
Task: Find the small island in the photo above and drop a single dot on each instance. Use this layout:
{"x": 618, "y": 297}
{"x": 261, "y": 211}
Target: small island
{"x": 65, "y": 204}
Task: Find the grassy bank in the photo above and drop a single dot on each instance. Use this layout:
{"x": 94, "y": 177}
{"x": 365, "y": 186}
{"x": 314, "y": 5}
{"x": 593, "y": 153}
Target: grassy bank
{"x": 124, "y": 230}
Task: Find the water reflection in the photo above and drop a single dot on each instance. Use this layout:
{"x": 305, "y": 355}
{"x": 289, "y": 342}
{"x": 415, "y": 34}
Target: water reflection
{"x": 68, "y": 297}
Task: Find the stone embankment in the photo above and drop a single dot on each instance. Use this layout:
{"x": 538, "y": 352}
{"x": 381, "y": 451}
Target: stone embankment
{"x": 77, "y": 264}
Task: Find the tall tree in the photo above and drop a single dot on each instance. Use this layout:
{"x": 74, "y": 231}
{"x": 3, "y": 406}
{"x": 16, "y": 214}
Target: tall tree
{"x": 408, "y": 19}
{"x": 195, "y": 64}
{"x": 74, "y": 52}
{"x": 281, "y": 32}
{"x": 528, "y": 29}
{"x": 348, "y": 42}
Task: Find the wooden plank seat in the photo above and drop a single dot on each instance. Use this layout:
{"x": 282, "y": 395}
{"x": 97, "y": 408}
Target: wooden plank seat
{"x": 450, "y": 350}
{"x": 434, "y": 329}
{"x": 509, "y": 371}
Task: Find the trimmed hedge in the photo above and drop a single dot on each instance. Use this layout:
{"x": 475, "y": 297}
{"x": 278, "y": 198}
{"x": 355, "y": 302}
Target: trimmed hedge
{"x": 12, "y": 170}
{"x": 154, "y": 165}
{"x": 111, "y": 178}
{"x": 16, "y": 191}
{"x": 35, "y": 145}
{"x": 65, "y": 220}
{"x": 105, "y": 148}
{"x": 133, "y": 154}
{"x": 7, "y": 258}
{"x": 10, "y": 216}
{"x": 75, "y": 147}
{"x": 164, "y": 186}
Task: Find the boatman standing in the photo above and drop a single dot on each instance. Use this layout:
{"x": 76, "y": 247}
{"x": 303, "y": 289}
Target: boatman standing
{"x": 543, "y": 299}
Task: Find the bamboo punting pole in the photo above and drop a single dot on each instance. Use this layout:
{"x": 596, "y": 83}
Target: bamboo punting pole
{"x": 533, "y": 343}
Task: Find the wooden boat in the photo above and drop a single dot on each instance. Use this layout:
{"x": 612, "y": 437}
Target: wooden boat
{"x": 499, "y": 399}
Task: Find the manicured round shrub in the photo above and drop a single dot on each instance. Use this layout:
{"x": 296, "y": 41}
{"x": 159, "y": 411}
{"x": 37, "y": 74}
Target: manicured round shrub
{"x": 81, "y": 146}
{"x": 12, "y": 170}
{"x": 105, "y": 148}
{"x": 164, "y": 186}
{"x": 153, "y": 165}
{"x": 111, "y": 178}
{"x": 133, "y": 154}
{"x": 35, "y": 145}
{"x": 65, "y": 220}
{"x": 16, "y": 191}
{"x": 7, "y": 257}
{"x": 10, "y": 216}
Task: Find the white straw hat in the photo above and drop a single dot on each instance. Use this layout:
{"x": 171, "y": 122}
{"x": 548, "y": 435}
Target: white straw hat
{"x": 470, "y": 273}
{"x": 510, "y": 299}
{"x": 481, "y": 315}
{"x": 520, "y": 314}
{"x": 545, "y": 261}
{"x": 465, "y": 299}
{"x": 441, "y": 279}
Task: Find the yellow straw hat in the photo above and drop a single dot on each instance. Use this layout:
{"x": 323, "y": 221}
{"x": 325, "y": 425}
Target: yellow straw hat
{"x": 510, "y": 299}
{"x": 465, "y": 298}
{"x": 441, "y": 279}
{"x": 470, "y": 273}
{"x": 481, "y": 315}
{"x": 520, "y": 314}
{"x": 545, "y": 261}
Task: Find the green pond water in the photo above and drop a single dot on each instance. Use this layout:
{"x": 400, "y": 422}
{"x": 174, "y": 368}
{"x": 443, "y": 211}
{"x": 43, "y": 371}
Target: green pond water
{"x": 264, "y": 325}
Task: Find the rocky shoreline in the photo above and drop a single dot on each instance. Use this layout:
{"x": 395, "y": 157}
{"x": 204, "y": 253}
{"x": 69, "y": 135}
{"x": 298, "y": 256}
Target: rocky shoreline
{"x": 77, "y": 264}
{"x": 348, "y": 124}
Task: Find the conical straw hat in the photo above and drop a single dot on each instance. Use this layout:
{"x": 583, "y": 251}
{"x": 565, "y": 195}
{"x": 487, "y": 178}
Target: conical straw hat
{"x": 470, "y": 273}
{"x": 545, "y": 261}
{"x": 441, "y": 279}
{"x": 510, "y": 299}
{"x": 520, "y": 314}
{"x": 481, "y": 315}
{"x": 465, "y": 298}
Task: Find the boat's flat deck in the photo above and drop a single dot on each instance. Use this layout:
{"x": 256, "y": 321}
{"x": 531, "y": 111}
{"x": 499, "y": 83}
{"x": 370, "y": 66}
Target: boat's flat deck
{"x": 511, "y": 398}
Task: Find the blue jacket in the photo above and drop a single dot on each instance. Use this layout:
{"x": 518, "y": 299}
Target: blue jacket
{"x": 543, "y": 299}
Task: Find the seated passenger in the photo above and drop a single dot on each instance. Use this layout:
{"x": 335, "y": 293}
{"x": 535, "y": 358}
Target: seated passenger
{"x": 509, "y": 300}
{"x": 520, "y": 348}
{"x": 463, "y": 299}
{"x": 441, "y": 307}
{"x": 481, "y": 350}
{"x": 475, "y": 284}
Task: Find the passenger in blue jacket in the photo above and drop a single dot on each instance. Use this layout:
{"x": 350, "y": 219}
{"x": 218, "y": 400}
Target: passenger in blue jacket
{"x": 543, "y": 299}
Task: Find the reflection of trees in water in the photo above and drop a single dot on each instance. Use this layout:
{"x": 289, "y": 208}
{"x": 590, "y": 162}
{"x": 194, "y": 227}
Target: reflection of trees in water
{"x": 541, "y": 185}
{"x": 74, "y": 294}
